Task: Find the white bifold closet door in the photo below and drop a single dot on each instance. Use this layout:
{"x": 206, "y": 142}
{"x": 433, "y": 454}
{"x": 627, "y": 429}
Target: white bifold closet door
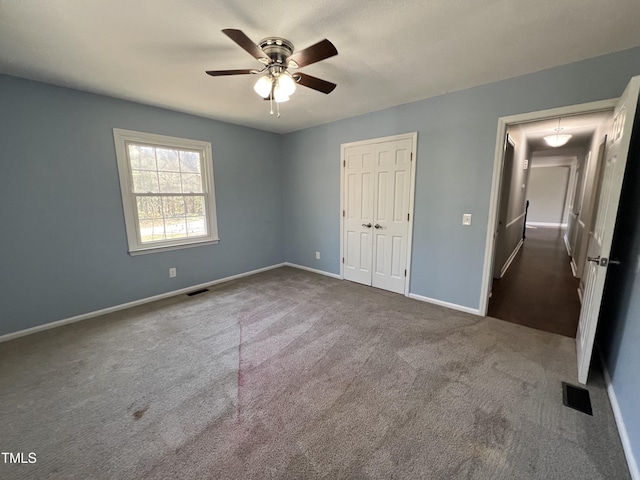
{"x": 376, "y": 223}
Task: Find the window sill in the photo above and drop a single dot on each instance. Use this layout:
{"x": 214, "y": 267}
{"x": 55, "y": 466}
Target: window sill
{"x": 166, "y": 248}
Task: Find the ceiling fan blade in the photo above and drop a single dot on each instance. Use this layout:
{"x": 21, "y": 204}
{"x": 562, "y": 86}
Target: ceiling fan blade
{"x": 314, "y": 82}
{"x": 321, "y": 50}
{"x": 245, "y": 42}
{"x": 220, "y": 73}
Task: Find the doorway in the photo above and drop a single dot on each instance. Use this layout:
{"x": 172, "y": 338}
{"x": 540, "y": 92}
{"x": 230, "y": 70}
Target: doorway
{"x": 546, "y": 199}
{"x": 377, "y": 184}
{"x": 624, "y": 128}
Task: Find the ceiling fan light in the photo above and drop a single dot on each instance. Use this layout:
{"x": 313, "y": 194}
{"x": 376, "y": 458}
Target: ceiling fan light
{"x": 263, "y": 86}
{"x": 279, "y": 95}
{"x": 557, "y": 140}
{"x": 287, "y": 84}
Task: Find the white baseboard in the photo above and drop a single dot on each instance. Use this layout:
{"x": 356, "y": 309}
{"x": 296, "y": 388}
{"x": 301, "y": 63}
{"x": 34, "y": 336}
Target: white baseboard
{"x": 622, "y": 428}
{"x": 414, "y": 296}
{"x": 453, "y": 306}
{"x": 104, "y": 311}
{"x": 507, "y": 264}
{"x": 545, "y": 224}
{"x": 566, "y": 244}
{"x": 313, "y": 270}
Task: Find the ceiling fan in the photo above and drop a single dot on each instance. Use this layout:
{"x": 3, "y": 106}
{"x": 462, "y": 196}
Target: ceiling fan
{"x": 277, "y": 55}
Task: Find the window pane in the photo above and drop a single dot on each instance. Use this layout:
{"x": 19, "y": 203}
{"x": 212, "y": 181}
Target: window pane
{"x": 158, "y": 230}
{"x": 142, "y": 158}
{"x": 174, "y": 219}
{"x": 196, "y": 226}
{"x": 167, "y": 160}
{"x": 134, "y": 156}
{"x": 146, "y": 230}
{"x": 169, "y": 182}
{"x": 176, "y": 228}
{"x": 151, "y": 230}
{"x": 145, "y": 181}
{"x": 149, "y": 207}
{"x": 194, "y": 206}
{"x": 191, "y": 183}
{"x": 173, "y": 206}
{"x": 190, "y": 161}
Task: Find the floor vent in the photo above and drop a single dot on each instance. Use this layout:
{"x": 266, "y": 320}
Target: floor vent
{"x": 576, "y": 398}
{"x": 197, "y": 292}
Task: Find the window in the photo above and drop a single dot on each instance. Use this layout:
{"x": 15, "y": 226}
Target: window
{"x": 167, "y": 191}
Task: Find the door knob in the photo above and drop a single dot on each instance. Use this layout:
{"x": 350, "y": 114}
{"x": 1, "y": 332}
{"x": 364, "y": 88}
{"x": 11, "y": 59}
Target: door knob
{"x": 368, "y": 225}
{"x": 594, "y": 259}
{"x": 377, "y": 226}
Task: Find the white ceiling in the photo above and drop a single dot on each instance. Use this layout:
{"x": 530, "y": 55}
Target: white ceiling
{"x": 390, "y": 52}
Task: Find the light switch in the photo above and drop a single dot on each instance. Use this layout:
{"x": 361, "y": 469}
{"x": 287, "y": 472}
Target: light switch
{"x": 466, "y": 219}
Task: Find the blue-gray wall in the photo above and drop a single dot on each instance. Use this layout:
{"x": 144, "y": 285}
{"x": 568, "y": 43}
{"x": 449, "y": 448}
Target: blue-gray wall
{"x": 63, "y": 246}
{"x": 456, "y": 144}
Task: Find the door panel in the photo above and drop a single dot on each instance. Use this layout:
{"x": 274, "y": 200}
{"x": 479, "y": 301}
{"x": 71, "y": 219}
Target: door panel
{"x": 359, "y": 210}
{"x": 602, "y": 236}
{"x": 392, "y": 186}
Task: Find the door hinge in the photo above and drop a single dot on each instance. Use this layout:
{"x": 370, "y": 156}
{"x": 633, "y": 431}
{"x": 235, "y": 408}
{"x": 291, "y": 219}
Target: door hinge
{"x": 405, "y": 272}
{"x": 344, "y": 163}
{"x": 343, "y": 213}
{"x": 411, "y": 157}
{"x": 408, "y": 216}
{"x": 342, "y": 259}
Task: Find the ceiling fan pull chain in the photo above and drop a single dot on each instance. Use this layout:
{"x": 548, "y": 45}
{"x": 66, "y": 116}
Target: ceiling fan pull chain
{"x": 271, "y": 101}
{"x": 278, "y": 107}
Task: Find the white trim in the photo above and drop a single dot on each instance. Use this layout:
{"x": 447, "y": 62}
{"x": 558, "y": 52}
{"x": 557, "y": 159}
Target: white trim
{"x": 452, "y": 306}
{"x": 622, "y": 428}
{"x": 573, "y": 268}
{"x": 580, "y": 294}
{"x": 507, "y": 264}
{"x": 412, "y": 193}
{"x": 501, "y": 132}
{"x": 104, "y": 311}
{"x": 547, "y": 224}
{"x": 313, "y": 270}
{"x": 567, "y": 246}
{"x": 412, "y": 196}
{"x": 144, "y": 251}
{"x": 515, "y": 220}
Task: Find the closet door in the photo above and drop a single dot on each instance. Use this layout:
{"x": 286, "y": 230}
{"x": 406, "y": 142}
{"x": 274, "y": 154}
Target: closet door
{"x": 358, "y": 213}
{"x": 392, "y": 184}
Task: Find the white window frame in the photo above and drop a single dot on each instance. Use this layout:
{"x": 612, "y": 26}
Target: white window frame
{"x": 136, "y": 247}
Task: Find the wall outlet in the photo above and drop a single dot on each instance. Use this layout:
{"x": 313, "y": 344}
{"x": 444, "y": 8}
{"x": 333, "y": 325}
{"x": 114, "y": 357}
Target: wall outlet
{"x": 466, "y": 219}
{"x": 172, "y": 272}
{"x": 317, "y": 255}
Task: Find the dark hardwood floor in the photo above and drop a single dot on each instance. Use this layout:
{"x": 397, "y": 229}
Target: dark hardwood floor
{"x": 538, "y": 290}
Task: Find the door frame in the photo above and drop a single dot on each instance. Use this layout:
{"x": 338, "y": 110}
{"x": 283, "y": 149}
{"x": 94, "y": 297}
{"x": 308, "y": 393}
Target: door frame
{"x": 413, "y": 136}
{"x": 498, "y": 165}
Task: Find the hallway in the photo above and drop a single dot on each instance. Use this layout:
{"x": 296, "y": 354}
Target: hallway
{"x": 539, "y": 290}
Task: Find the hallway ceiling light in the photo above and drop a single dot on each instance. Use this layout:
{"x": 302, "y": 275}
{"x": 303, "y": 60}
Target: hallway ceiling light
{"x": 557, "y": 139}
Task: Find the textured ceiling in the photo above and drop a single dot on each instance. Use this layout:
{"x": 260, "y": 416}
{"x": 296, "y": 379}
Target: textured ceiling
{"x": 390, "y": 52}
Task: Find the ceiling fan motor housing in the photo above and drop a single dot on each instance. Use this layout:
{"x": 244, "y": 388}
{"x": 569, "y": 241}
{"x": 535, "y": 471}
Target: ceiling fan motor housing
{"x": 278, "y": 49}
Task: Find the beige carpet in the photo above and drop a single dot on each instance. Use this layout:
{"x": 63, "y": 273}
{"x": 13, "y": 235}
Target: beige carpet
{"x": 289, "y": 374}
